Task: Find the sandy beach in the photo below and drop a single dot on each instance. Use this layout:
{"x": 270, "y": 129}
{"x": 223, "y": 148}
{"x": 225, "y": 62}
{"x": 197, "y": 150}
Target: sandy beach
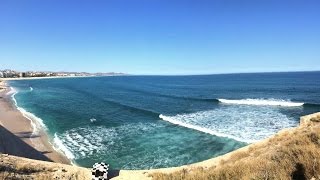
{"x": 17, "y": 136}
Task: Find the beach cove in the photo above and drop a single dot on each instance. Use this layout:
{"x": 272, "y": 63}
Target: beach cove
{"x": 17, "y": 134}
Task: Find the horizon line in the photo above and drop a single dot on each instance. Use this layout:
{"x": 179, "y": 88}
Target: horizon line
{"x": 193, "y": 74}
{"x": 207, "y": 74}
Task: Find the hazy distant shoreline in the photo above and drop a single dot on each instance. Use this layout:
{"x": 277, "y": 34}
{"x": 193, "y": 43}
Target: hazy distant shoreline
{"x": 50, "y": 77}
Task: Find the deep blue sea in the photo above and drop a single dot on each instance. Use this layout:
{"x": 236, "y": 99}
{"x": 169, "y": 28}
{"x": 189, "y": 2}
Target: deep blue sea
{"x": 142, "y": 122}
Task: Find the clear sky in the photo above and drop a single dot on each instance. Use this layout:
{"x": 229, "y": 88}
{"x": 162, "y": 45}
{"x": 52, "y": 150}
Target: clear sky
{"x": 160, "y": 36}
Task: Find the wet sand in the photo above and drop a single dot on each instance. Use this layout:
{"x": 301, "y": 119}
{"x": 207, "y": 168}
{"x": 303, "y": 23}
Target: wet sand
{"x": 16, "y": 134}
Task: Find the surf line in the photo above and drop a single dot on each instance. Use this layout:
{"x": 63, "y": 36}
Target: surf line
{"x": 262, "y": 102}
{"x": 198, "y": 128}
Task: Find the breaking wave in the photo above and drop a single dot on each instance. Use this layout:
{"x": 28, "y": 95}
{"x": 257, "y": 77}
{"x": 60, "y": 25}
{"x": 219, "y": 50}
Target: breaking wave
{"x": 95, "y": 142}
{"x": 262, "y": 102}
{"x": 36, "y": 122}
{"x": 58, "y": 145}
{"x": 195, "y": 127}
{"x": 241, "y": 123}
{"x": 11, "y": 92}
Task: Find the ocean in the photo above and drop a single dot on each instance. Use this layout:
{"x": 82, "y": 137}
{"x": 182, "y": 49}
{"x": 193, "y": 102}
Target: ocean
{"x": 143, "y": 122}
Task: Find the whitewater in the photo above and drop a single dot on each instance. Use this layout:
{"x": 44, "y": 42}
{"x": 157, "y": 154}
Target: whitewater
{"x": 245, "y": 122}
{"x": 142, "y": 122}
{"x": 262, "y": 102}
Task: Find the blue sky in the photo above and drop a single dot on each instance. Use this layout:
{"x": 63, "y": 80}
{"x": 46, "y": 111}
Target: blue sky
{"x": 160, "y": 36}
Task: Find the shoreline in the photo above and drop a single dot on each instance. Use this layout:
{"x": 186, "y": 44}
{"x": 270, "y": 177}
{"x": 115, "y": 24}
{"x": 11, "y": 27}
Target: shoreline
{"x": 7, "y": 109}
{"x": 45, "y": 77}
{"x": 20, "y": 138}
{"x": 254, "y": 161}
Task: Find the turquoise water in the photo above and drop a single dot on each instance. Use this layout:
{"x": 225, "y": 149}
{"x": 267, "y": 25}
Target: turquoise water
{"x": 142, "y": 122}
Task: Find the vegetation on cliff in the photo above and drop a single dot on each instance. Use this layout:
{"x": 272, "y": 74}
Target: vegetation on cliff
{"x": 12, "y": 167}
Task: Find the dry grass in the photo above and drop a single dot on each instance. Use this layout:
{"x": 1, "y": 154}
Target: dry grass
{"x": 12, "y": 168}
{"x": 291, "y": 154}
{"x": 315, "y": 119}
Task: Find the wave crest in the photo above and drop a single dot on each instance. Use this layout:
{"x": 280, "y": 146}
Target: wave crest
{"x": 262, "y": 102}
{"x": 241, "y": 123}
{"x": 198, "y": 128}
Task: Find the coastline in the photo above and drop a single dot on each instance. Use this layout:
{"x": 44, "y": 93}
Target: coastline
{"x": 19, "y": 138}
{"x": 254, "y": 161}
{"x": 46, "y": 77}
{"x": 268, "y": 146}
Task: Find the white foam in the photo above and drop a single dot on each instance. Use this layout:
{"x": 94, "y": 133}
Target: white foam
{"x": 36, "y": 122}
{"x": 58, "y": 145}
{"x": 242, "y": 123}
{"x": 90, "y": 142}
{"x": 13, "y": 96}
{"x": 262, "y": 102}
{"x": 31, "y": 89}
{"x": 93, "y": 120}
{"x": 198, "y": 128}
{"x": 83, "y": 141}
{"x": 37, "y": 125}
{"x": 12, "y": 91}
